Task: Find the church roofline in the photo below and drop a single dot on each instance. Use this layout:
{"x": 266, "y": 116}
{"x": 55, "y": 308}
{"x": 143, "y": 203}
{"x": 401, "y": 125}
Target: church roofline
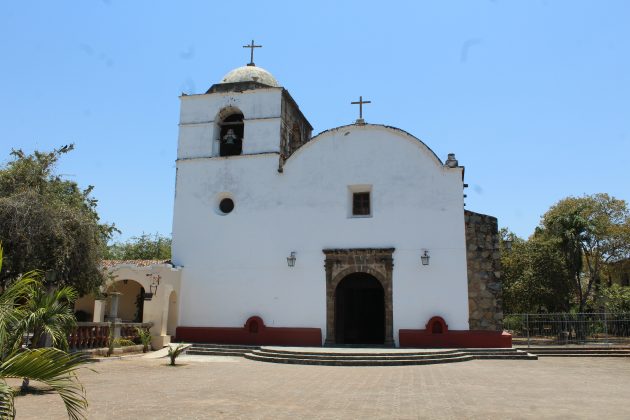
{"x": 288, "y": 96}
{"x": 388, "y": 127}
{"x": 239, "y": 87}
{"x": 249, "y": 86}
{"x": 137, "y": 264}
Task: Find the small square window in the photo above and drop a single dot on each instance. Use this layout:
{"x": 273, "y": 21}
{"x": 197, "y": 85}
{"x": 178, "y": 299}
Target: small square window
{"x": 361, "y": 204}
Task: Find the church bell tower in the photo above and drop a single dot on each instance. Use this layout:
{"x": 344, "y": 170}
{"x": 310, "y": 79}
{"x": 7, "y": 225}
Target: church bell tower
{"x": 246, "y": 113}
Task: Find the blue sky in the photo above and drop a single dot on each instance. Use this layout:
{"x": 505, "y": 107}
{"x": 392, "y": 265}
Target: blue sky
{"x": 532, "y": 96}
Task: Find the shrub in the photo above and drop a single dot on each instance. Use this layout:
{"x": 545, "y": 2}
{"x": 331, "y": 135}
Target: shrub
{"x": 174, "y": 352}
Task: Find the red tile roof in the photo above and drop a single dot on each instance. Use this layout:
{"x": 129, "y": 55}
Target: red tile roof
{"x": 138, "y": 263}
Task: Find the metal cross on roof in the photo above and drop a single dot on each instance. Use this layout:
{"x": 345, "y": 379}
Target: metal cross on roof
{"x": 360, "y": 103}
{"x": 251, "y": 47}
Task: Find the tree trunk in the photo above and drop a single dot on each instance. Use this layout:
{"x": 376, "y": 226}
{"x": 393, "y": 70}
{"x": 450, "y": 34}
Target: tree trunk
{"x": 33, "y": 345}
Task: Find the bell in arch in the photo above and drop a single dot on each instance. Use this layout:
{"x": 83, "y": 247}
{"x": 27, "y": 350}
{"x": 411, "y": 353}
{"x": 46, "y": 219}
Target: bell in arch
{"x": 229, "y": 137}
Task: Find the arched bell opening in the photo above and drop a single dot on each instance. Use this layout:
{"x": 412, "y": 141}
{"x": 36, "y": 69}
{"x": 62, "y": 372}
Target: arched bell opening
{"x": 231, "y": 132}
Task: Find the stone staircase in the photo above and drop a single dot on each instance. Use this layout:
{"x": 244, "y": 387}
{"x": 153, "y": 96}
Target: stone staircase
{"x": 568, "y": 351}
{"x": 354, "y": 356}
{"x": 379, "y": 357}
{"x": 501, "y": 354}
{"x": 335, "y": 357}
{"x": 220, "y": 350}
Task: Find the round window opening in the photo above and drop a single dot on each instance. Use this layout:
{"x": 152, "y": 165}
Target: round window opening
{"x": 226, "y": 205}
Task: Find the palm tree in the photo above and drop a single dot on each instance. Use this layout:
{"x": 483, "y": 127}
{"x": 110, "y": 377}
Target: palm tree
{"x": 51, "y": 366}
{"x": 49, "y": 314}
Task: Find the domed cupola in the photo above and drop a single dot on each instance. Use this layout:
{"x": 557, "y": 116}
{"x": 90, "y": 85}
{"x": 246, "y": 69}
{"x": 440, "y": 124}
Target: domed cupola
{"x": 247, "y": 112}
{"x": 246, "y": 77}
{"x": 250, "y": 73}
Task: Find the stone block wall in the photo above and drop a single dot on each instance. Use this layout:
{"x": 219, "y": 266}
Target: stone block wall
{"x": 484, "y": 272}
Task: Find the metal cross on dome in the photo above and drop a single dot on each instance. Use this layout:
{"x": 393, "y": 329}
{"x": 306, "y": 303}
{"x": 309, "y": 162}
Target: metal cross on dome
{"x": 360, "y": 103}
{"x": 251, "y": 48}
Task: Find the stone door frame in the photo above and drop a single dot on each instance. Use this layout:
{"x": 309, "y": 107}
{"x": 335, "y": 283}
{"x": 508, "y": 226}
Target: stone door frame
{"x": 339, "y": 263}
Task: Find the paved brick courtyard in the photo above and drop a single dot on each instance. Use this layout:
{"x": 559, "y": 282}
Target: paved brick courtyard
{"x": 214, "y": 387}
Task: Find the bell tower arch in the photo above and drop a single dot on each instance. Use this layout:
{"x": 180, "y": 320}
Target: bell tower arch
{"x": 230, "y": 129}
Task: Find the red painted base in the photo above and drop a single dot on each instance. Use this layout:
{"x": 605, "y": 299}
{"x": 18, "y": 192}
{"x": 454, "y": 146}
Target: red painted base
{"x": 454, "y": 339}
{"x": 254, "y": 332}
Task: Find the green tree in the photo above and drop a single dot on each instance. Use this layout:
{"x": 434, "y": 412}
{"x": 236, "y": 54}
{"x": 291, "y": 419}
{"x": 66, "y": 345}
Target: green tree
{"x": 51, "y": 366}
{"x": 143, "y": 247}
{"x": 616, "y": 298}
{"x": 591, "y": 232}
{"x": 48, "y": 314}
{"x": 49, "y": 223}
{"x": 534, "y": 276}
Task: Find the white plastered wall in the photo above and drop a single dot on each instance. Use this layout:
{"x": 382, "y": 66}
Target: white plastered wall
{"x": 200, "y": 117}
{"x": 235, "y": 265}
{"x": 155, "y": 310}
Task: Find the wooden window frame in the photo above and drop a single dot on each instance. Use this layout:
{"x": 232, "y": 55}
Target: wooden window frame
{"x": 357, "y": 197}
{"x": 361, "y": 204}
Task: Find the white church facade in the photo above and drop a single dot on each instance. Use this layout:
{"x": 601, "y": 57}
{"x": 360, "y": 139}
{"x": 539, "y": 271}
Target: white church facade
{"x": 357, "y": 235}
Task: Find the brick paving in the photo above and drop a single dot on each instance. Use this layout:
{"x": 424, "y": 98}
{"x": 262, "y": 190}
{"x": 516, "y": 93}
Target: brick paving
{"x": 217, "y": 387}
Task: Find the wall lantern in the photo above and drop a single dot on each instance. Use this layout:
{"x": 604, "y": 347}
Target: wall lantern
{"x": 508, "y": 244}
{"x": 155, "y": 282}
{"x": 291, "y": 259}
{"x": 425, "y": 257}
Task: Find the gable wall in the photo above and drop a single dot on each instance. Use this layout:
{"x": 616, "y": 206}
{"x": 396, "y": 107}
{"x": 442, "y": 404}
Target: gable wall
{"x": 235, "y": 265}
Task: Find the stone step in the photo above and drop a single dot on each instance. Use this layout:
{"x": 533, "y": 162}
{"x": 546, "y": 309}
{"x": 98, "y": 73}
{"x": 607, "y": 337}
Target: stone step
{"x": 571, "y": 350}
{"x": 216, "y": 353}
{"x": 583, "y": 354}
{"x": 376, "y": 353}
{"x": 579, "y": 351}
{"x": 357, "y": 362}
{"x": 357, "y": 356}
{"x": 225, "y": 346}
{"x": 220, "y": 349}
{"x": 208, "y": 349}
{"x": 365, "y": 356}
{"x": 514, "y": 356}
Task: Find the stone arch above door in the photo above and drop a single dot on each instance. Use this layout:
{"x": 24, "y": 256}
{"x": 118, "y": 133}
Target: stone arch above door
{"x": 339, "y": 263}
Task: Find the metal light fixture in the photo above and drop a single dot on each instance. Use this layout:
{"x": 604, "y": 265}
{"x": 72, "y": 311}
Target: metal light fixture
{"x": 508, "y": 244}
{"x": 425, "y": 257}
{"x": 153, "y": 286}
{"x": 291, "y": 259}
